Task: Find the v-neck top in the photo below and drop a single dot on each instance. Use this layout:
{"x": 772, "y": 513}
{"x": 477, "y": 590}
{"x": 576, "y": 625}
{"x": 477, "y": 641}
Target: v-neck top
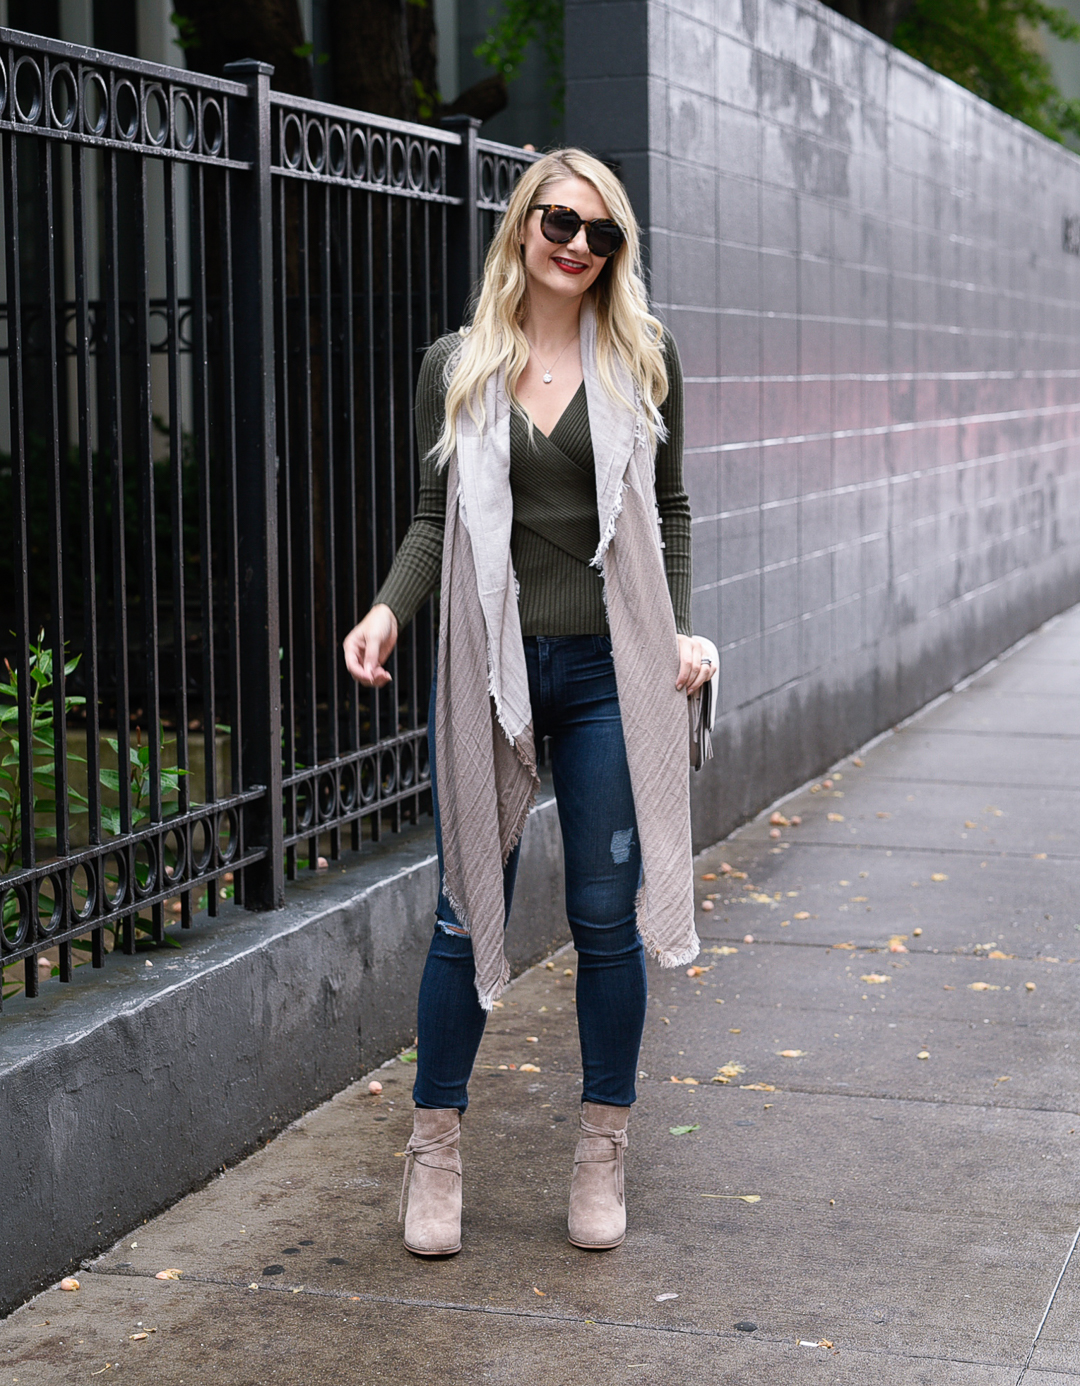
{"x": 556, "y": 527}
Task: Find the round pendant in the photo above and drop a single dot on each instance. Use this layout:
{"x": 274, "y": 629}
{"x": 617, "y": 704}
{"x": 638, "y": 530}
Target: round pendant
{"x": 547, "y": 378}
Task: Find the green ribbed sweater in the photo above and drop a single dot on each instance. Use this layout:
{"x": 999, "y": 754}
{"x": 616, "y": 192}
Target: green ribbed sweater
{"x": 556, "y": 528}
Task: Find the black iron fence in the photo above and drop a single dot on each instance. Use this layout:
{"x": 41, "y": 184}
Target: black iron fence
{"x": 215, "y": 301}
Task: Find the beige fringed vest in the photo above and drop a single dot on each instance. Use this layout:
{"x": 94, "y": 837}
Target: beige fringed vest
{"x": 485, "y": 752}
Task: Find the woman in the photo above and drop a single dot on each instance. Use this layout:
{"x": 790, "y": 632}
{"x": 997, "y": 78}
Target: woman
{"x": 550, "y": 433}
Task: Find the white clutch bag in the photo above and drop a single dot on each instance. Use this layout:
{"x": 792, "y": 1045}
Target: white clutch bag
{"x": 702, "y": 707}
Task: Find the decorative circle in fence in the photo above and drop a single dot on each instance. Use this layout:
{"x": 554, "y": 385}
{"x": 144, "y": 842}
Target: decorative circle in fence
{"x": 156, "y": 115}
{"x": 337, "y": 158}
{"x": 183, "y": 120}
{"x": 315, "y": 146}
{"x": 63, "y": 97}
{"x": 125, "y": 111}
{"x": 213, "y": 126}
{"x": 228, "y": 834}
{"x": 82, "y": 890}
{"x": 95, "y": 104}
{"x": 28, "y": 91}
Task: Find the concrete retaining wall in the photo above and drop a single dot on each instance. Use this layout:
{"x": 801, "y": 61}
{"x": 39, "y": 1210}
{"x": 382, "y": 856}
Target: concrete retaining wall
{"x": 864, "y": 268}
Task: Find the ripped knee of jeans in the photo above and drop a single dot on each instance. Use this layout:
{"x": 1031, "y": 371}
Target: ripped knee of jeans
{"x": 451, "y": 927}
{"x": 621, "y": 842}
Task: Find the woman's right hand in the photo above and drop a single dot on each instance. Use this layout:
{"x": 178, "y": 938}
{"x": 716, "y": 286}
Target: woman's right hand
{"x": 368, "y": 645}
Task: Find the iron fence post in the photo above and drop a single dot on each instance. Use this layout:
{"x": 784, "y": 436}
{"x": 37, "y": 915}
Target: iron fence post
{"x": 463, "y": 221}
{"x": 256, "y": 483}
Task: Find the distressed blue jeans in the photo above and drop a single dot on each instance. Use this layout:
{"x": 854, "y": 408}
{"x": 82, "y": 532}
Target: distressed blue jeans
{"x": 575, "y": 703}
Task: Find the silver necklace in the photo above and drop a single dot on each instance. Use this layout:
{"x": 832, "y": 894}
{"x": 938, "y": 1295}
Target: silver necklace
{"x": 549, "y": 369}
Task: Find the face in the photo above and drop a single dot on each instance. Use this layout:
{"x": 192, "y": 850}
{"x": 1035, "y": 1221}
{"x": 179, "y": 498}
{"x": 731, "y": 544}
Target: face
{"x": 567, "y": 270}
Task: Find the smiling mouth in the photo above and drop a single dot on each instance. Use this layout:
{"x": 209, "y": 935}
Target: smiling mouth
{"x": 569, "y": 266}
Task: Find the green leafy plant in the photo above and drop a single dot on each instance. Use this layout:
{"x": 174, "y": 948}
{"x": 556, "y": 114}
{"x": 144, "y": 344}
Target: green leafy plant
{"x": 139, "y": 779}
{"x": 520, "y": 23}
{"x": 42, "y": 752}
{"x": 991, "y": 48}
{"x": 187, "y": 35}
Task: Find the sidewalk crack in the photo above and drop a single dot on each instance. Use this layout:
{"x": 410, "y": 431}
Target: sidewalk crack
{"x": 1049, "y": 1306}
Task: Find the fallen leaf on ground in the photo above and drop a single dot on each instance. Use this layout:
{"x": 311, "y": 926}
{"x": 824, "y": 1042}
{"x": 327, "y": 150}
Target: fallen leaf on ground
{"x": 738, "y": 875}
{"x": 857, "y": 761}
{"x": 969, "y": 824}
{"x": 728, "y": 1071}
{"x": 532, "y": 1039}
{"x": 709, "y": 876}
{"x": 923, "y": 1054}
{"x": 999, "y": 955}
{"x": 697, "y": 971}
{"x": 528, "y": 1068}
{"x": 835, "y": 817}
{"x": 791, "y": 1053}
{"x": 884, "y": 815}
{"x": 541, "y": 1293}
{"x": 948, "y": 988}
{"x": 939, "y": 876}
{"x": 171, "y": 1274}
{"x": 138, "y": 1337}
{"x": 725, "y": 868}
{"x": 825, "y": 1342}
{"x": 1003, "y": 1079}
{"x": 724, "y": 952}
{"x": 982, "y": 986}
{"x": 684, "y": 1130}
{"x": 801, "y": 914}
{"x": 407, "y": 1056}
{"x": 69, "y": 1283}
{"x": 874, "y": 977}
{"x": 796, "y": 821}
{"x": 859, "y": 899}
{"x": 846, "y": 946}
{"x": 743, "y": 1198}
{"x": 756, "y": 1087}
{"x": 693, "y": 1082}
{"x": 896, "y": 943}
{"x": 778, "y": 820}
{"x": 1040, "y": 856}
{"x": 1029, "y": 986}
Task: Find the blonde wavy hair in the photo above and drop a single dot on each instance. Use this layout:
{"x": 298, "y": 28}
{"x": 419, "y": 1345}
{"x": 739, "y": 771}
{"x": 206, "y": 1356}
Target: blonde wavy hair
{"x": 625, "y": 328}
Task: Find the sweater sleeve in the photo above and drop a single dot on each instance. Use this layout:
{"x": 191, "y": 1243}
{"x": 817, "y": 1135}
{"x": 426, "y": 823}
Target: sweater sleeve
{"x": 417, "y": 565}
{"x": 671, "y": 498}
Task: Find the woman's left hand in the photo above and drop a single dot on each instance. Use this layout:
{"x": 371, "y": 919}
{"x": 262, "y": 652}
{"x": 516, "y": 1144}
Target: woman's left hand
{"x": 693, "y": 674}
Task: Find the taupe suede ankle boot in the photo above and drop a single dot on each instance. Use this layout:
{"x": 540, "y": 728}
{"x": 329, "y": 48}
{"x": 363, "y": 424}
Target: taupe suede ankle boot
{"x": 433, "y": 1220}
{"x": 597, "y": 1219}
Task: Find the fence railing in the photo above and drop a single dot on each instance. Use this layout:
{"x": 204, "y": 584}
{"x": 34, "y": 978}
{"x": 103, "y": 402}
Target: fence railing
{"x": 215, "y": 299}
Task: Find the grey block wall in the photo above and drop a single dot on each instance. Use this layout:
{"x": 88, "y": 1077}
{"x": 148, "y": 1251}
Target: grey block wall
{"x": 864, "y": 268}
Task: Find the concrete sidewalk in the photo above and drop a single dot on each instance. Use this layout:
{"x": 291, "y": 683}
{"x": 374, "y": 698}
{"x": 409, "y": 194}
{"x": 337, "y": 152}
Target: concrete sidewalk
{"x": 883, "y": 1191}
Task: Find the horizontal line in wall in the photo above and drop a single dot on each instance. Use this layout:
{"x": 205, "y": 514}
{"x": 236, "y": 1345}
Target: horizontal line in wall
{"x": 879, "y": 378}
{"x": 886, "y": 430}
{"x": 949, "y": 329}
